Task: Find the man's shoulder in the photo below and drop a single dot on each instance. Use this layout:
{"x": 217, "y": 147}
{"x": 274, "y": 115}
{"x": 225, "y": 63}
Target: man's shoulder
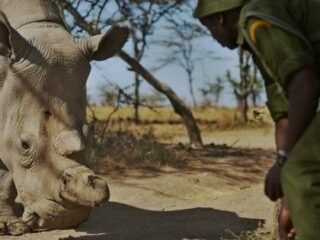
{"x": 250, "y": 8}
{"x": 273, "y": 8}
{"x": 258, "y": 5}
{"x": 273, "y": 11}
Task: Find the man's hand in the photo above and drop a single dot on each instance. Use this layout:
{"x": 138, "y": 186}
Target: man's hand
{"x": 286, "y": 230}
{"x": 272, "y": 185}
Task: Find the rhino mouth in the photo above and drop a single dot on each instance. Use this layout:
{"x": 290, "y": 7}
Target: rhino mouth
{"x": 85, "y": 203}
{"x": 49, "y": 214}
{"x": 73, "y": 196}
{"x": 41, "y": 211}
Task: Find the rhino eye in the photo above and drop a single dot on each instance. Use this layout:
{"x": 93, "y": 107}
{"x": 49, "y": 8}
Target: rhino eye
{"x": 25, "y": 145}
{"x": 25, "y": 142}
{"x": 25, "y": 149}
{"x": 47, "y": 114}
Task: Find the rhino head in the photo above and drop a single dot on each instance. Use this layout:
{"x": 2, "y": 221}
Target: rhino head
{"x": 44, "y": 136}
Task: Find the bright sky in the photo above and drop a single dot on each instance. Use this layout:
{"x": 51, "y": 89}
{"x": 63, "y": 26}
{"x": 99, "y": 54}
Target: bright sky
{"x": 115, "y": 71}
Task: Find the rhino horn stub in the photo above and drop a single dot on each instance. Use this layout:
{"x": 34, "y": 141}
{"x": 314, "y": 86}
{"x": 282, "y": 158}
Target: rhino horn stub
{"x": 69, "y": 142}
{"x": 81, "y": 186}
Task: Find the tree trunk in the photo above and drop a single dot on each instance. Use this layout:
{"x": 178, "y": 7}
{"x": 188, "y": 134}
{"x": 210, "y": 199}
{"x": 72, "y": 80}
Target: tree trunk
{"x": 137, "y": 57}
{"x": 254, "y": 99}
{"x": 244, "y": 110}
{"x": 191, "y": 89}
{"x": 136, "y": 99}
{"x": 217, "y": 98}
{"x": 245, "y": 87}
{"x": 178, "y": 105}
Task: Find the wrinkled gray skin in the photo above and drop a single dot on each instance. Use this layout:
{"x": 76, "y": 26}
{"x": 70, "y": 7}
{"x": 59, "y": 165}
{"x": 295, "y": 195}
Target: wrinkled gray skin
{"x": 44, "y": 138}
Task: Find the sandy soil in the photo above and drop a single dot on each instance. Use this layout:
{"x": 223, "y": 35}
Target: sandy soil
{"x": 220, "y": 190}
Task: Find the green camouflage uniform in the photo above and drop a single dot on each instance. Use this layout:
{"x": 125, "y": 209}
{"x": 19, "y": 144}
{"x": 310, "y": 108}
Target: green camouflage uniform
{"x": 284, "y": 36}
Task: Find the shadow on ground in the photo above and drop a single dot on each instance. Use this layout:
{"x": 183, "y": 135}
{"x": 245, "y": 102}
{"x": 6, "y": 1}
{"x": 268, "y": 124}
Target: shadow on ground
{"x": 117, "y": 221}
{"x": 231, "y": 164}
{"x": 148, "y": 154}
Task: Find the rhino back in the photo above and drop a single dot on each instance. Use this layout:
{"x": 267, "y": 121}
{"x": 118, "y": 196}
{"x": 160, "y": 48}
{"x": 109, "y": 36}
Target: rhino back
{"x": 22, "y": 12}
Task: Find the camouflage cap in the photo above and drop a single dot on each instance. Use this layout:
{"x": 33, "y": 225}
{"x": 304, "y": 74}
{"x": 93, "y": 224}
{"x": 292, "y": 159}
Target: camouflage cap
{"x": 208, "y": 7}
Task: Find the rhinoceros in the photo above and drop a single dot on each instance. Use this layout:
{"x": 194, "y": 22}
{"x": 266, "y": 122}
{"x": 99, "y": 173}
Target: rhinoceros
{"x": 44, "y": 138}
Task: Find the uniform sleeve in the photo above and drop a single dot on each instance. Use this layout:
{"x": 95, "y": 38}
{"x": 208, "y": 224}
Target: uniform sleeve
{"x": 277, "y": 103}
{"x": 283, "y": 52}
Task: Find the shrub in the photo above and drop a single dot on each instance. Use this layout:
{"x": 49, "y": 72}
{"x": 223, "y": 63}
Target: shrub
{"x": 124, "y": 149}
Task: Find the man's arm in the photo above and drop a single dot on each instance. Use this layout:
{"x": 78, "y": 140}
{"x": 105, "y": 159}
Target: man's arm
{"x": 272, "y": 187}
{"x": 304, "y": 92}
{"x": 281, "y": 132}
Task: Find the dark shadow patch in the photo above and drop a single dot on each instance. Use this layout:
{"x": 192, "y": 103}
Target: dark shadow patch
{"x": 117, "y": 221}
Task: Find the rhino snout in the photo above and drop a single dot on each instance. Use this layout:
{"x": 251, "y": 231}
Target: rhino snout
{"x": 81, "y": 186}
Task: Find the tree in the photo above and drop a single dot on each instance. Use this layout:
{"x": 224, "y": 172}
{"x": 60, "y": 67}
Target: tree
{"x": 182, "y": 54}
{"x": 91, "y": 22}
{"x": 142, "y": 17}
{"x": 213, "y": 89}
{"x": 257, "y": 87}
{"x": 248, "y": 84}
{"x": 178, "y": 105}
{"x": 180, "y": 40}
{"x": 108, "y": 96}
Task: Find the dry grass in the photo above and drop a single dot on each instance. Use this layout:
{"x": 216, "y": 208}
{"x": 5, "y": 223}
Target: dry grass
{"x": 251, "y": 235}
{"x": 221, "y": 118}
{"x": 128, "y": 145}
{"x": 124, "y": 149}
{"x": 166, "y": 125}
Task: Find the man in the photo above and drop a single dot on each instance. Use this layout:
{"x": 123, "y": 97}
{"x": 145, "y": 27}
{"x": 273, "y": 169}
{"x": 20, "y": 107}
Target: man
{"x": 284, "y": 39}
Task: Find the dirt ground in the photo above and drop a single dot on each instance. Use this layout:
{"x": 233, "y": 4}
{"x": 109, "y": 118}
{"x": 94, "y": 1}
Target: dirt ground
{"x": 216, "y": 196}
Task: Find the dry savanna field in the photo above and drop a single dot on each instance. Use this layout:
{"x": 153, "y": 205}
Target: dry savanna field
{"x": 161, "y": 189}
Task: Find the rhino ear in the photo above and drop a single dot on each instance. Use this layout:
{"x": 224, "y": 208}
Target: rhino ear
{"x": 68, "y": 142}
{"x": 5, "y": 35}
{"x": 104, "y": 46}
{"x": 10, "y": 39}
